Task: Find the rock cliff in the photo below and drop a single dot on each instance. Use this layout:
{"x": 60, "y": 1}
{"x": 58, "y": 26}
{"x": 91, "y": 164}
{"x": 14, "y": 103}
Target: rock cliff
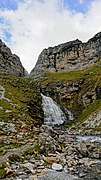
{"x": 73, "y": 55}
{"x": 10, "y": 63}
{"x": 79, "y": 92}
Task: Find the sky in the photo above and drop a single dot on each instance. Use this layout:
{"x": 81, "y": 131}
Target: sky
{"x": 29, "y": 26}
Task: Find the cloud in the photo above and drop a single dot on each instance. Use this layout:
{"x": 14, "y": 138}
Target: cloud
{"x": 81, "y": 1}
{"x": 38, "y": 24}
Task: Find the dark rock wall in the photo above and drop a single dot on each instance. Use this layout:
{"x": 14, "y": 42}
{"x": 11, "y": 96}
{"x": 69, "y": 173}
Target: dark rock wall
{"x": 9, "y": 62}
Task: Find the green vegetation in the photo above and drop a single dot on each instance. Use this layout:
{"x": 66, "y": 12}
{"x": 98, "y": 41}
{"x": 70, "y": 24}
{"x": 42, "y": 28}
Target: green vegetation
{"x": 93, "y": 72}
{"x": 38, "y": 148}
{"x": 15, "y": 158}
{"x": 95, "y": 106}
{"x": 2, "y": 171}
{"x": 97, "y": 129}
{"x": 22, "y": 94}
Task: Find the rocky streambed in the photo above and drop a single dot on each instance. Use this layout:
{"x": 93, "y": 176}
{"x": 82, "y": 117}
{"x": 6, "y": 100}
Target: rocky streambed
{"x": 54, "y": 154}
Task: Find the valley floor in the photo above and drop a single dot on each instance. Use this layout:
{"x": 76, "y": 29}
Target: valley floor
{"x": 54, "y": 153}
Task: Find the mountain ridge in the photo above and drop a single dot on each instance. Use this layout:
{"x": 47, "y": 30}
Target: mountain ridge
{"x": 72, "y": 55}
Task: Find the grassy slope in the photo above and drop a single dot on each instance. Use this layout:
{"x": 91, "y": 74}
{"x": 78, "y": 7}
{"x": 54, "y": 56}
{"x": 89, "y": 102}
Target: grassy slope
{"x": 22, "y": 92}
{"x": 93, "y": 72}
{"x": 25, "y": 112}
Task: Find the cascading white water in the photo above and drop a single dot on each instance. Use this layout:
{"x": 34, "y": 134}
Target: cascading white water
{"x": 53, "y": 115}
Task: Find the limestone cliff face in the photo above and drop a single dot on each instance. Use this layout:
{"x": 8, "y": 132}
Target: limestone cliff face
{"x": 9, "y": 62}
{"x": 73, "y": 55}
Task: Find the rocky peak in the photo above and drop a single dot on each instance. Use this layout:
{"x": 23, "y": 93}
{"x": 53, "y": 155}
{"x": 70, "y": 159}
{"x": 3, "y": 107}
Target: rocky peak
{"x": 10, "y": 63}
{"x": 73, "y": 55}
{"x": 97, "y": 36}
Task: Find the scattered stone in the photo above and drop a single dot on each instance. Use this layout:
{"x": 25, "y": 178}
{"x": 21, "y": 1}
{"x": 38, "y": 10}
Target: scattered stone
{"x": 41, "y": 167}
{"x": 8, "y": 111}
{"x": 33, "y": 177}
{"x": 29, "y": 166}
{"x": 57, "y": 167}
{"x": 50, "y": 160}
{"x": 42, "y": 173}
{"x": 81, "y": 175}
{"x": 8, "y": 170}
{"x": 1, "y": 107}
{"x": 1, "y": 123}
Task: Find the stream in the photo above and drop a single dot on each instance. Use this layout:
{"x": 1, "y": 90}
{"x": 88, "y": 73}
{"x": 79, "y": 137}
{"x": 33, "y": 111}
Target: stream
{"x": 88, "y": 138}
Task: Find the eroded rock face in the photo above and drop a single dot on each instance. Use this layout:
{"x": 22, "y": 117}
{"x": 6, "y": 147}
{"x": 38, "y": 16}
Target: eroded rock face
{"x": 73, "y": 55}
{"x": 9, "y": 62}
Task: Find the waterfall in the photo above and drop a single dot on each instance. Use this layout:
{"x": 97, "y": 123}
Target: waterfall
{"x": 53, "y": 115}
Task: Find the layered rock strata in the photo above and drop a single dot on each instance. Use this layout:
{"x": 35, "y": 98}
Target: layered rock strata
{"x": 73, "y": 55}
